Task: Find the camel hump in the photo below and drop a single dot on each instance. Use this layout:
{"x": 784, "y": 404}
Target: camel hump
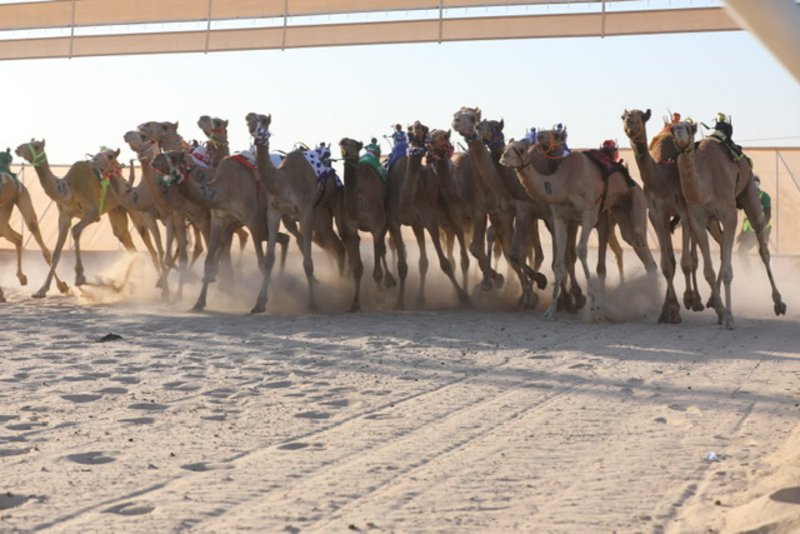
{"x": 84, "y": 182}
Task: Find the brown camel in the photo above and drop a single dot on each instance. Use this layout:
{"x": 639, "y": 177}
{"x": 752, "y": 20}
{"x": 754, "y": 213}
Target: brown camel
{"x": 216, "y": 132}
{"x": 233, "y": 197}
{"x": 166, "y": 135}
{"x": 412, "y": 200}
{"x": 512, "y": 212}
{"x": 629, "y": 212}
{"x": 294, "y": 191}
{"x": 79, "y": 194}
{"x": 713, "y": 184}
{"x": 659, "y": 172}
{"x": 14, "y": 193}
{"x": 364, "y": 208}
{"x": 576, "y": 192}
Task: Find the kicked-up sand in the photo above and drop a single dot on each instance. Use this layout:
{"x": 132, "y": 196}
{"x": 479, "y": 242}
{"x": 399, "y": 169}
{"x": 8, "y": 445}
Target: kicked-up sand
{"x": 123, "y": 413}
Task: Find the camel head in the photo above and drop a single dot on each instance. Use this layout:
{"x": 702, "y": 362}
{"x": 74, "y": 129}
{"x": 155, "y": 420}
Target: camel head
{"x": 439, "y": 146}
{"x": 214, "y": 128}
{"x": 258, "y": 126}
{"x": 158, "y": 130}
{"x": 32, "y": 152}
{"x": 417, "y": 134}
{"x": 350, "y": 148}
{"x": 551, "y": 142}
{"x": 633, "y": 122}
{"x": 683, "y": 132}
{"x": 491, "y": 133}
{"x": 172, "y": 165}
{"x": 106, "y": 162}
{"x": 145, "y": 147}
{"x": 465, "y": 121}
{"x": 516, "y": 154}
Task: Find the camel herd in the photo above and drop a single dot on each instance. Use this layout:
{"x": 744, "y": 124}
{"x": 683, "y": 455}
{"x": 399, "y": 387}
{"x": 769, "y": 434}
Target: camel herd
{"x": 491, "y": 196}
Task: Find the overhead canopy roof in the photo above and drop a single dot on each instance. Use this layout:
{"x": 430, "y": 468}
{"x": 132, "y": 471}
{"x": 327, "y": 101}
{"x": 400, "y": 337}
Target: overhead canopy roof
{"x": 79, "y": 14}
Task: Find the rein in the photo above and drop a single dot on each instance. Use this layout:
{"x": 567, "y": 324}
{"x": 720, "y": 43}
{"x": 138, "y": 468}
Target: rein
{"x": 37, "y": 159}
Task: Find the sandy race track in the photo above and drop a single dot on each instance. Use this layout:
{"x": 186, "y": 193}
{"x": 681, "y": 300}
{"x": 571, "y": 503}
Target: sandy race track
{"x": 436, "y": 419}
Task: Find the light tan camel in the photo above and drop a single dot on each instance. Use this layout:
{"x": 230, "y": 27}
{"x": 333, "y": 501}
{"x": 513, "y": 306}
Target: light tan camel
{"x": 659, "y": 173}
{"x": 512, "y": 212}
{"x": 14, "y": 193}
{"x": 576, "y": 192}
{"x": 412, "y": 200}
{"x": 364, "y": 209}
{"x": 713, "y": 184}
{"x": 294, "y": 191}
{"x": 134, "y": 199}
{"x": 629, "y": 212}
{"x": 77, "y": 195}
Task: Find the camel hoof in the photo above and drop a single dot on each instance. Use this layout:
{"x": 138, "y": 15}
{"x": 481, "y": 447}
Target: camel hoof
{"x": 198, "y": 308}
{"x": 531, "y": 302}
{"x": 62, "y": 287}
{"x": 540, "y": 280}
{"x": 780, "y": 308}
{"x": 670, "y": 316}
{"x": 498, "y": 280}
{"x": 579, "y": 300}
{"x": 258, "y": 308}
{"x": 39, "y": 295}
{"x": 485, "y": 285}
{"x": 2, "y": 298}
{"x": 80, "y": 280}
{"x": 389, "y": 281}
{"x": 549, "y": 315}
{"x": 23, "y": 280}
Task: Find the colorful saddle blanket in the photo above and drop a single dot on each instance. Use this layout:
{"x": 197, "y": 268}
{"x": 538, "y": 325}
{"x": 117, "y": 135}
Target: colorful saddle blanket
{"x": 375, "y": 163}
{"x": 320, "y": 160}
{"x": 248, "y": 158}
{"x": 202, "y": 157}
{"x": 734, "y": 150}
{"x": 608, "y": 166}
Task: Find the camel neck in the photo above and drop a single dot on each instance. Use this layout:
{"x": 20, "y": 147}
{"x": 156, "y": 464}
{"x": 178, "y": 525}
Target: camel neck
{"x": 549, "y": 188}
{"x": 691, "y": 188}
{"x": 266, "y": 171}
{"x": 151, "y": 183}
{"x": 54, "y": 187}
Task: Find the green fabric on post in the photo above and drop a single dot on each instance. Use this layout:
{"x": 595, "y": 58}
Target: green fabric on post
{"x": 373, "y": 162}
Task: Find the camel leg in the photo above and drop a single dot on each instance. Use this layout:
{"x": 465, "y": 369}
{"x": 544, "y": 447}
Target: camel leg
{"x": 752, "y": 208}
{"x": 516, "y": 257}
{"x": 145, "y": 225}
{"x": 559, "y": 264}
{"x": 444, "y": 264}
{"x": 198, "y": 244}
{"x": 696, "y": 220}
{"x": 378, "y": 251}
{"x": 479, "y": 234}
{"x": 633, "y": 226}
{"x": 588, "y": 222}
{"x": 402, "y": 265}
{"x": 181, "y": 251}
{"x": 118, "y": 217}
{"x": 25, "y": 207}
{"x": 536, "y": 243}
{"x": 671, "y": 309}
{"x": 308, "y": 262}
{"x": 225, "y": 263}
{"x": 15, "y": 238}
{"x": 462, "y": 243}
{"x": 419, "y": 233}
{"x": 726, "y": 266}
{"x": 572, "y": 298}
{"x": 210, "y": 264}
{"x": 616, "y": 249}
{"x": 77, "y": 230}
{"x": 351, "y": 241}
{"x": 604, "y": 228}
{"x": 273, "y": 222}
{"x": 63, "y": 228}
{"x": 689, "y": 264}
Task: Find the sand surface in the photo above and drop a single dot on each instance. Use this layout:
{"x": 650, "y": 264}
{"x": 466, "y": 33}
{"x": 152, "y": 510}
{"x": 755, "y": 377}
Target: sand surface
{"x": 436, "y": 419}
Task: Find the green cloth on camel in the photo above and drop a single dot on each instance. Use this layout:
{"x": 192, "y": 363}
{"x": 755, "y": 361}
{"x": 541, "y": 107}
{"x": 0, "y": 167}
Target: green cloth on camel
{"x": 5, "y": 166}
{"x": 373, "y": 162}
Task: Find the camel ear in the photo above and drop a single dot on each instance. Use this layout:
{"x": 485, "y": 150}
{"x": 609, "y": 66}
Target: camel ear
{"x": 225, "y": 123}
{"x": 647, "y": 115}
{"x": 42, "y": 142}
{"x": 478, "y": 112}
{"x": 694, "y": 128}
{"x": 448, "y": 134}
{"x": 502, "y": 123}
{"x": 116, "y": 154}
{"x": 360, "y": 145}
{"x": 623, "y": 114}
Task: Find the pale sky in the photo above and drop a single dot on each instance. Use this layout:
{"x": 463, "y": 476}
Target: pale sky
{"x": 325, "y": 94}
